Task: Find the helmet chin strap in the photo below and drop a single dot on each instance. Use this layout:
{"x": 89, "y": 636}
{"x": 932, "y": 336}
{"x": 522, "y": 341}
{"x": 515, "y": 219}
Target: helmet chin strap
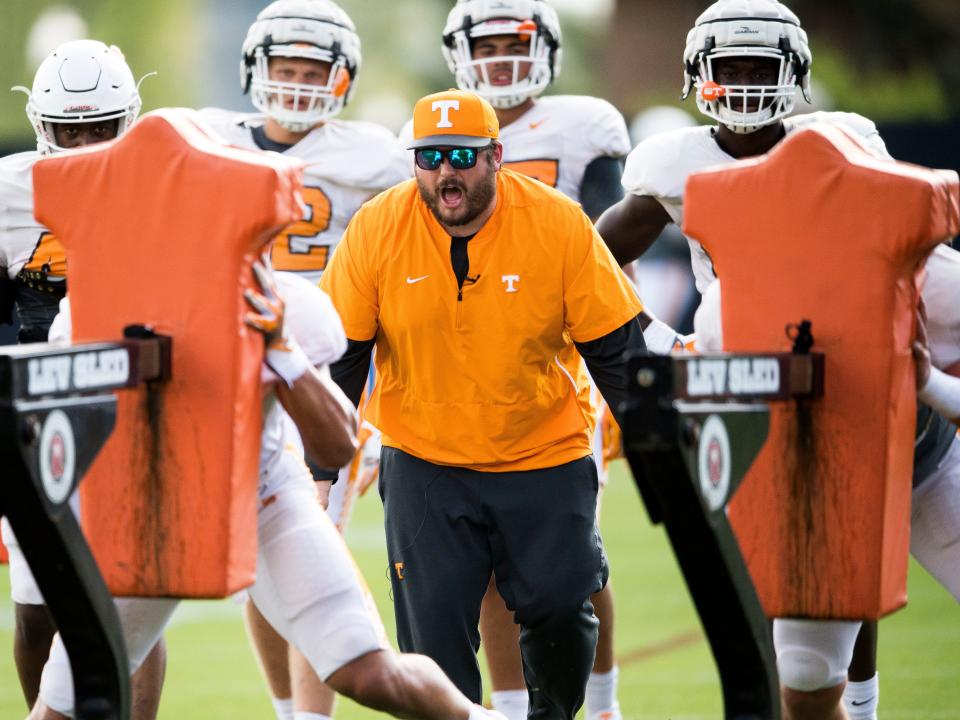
{"x": 735, "y": 121}
{"x": 296, "y": 126}
{"x": 508, "y": 102}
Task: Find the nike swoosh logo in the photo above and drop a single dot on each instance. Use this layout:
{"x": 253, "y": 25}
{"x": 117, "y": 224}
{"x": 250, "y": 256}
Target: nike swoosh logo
{"x": 858, "y": 704}
{"x": 535, "y": 125}
{"x": 412, "y": 281}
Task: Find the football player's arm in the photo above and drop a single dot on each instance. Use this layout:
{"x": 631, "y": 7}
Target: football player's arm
{"x": 326, "y": 420}
{"x": 604, "y": 359}
{"x": 601, "y": 187}
{"x": 942, "y": 392}
{"x": 324, "y": 416}
{"x": 602, "y": 313}
{"x": 349, "y": 374}
{"x": 708, "y": 321}
{"x": 936, "y": 388}
{"x": 630, "y": 226}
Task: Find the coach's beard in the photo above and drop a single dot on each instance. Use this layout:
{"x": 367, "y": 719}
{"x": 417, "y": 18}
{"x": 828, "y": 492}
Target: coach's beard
{"x": 474, "y": 202}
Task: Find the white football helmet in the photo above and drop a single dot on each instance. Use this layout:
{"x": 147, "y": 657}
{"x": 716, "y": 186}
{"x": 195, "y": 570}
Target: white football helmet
{"x": 312, "y": 29}
{"x": 472, "y": 19}
{"x": 81, "y": 81}
{"x": 747, "y": 29}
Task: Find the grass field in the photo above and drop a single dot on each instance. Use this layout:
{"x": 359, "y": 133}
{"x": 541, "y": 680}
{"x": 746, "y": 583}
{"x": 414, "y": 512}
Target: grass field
{"x": 667, "y": 672}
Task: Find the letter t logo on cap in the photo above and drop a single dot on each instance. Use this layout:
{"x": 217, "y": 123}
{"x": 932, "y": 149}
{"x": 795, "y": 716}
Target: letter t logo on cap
{"x": 445, "y": 106}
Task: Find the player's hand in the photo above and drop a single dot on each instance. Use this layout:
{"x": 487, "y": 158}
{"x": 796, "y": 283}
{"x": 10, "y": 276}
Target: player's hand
{"x": 921, "y": 347}
{"x": 266, "y": 315}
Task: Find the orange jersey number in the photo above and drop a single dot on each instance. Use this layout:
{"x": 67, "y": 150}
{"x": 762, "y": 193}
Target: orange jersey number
{"x": 48, "y": 258}
{"x": 293, "y": 249}
{"x": 546, "y": 171}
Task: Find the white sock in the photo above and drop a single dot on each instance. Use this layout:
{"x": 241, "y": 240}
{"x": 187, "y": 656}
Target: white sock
{"x": 303, "y": 715}
{"x": 602, "y": 695}
{"x": 512, "y": 703}
{"x": 283, "y": 707}
{"x": 861, "y": 698}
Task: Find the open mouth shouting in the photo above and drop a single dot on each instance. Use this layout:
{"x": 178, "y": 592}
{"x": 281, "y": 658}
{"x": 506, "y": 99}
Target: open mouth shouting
{"x": 452, "y": 196}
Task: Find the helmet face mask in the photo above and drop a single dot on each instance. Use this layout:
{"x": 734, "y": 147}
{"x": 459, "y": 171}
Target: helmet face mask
{"x": 533, "y": 21}
{"x": 81, "y": 82}
{"x": 744, "y": 108}
{"x": 316, "y": 30}
{"x": 763, "y": 31}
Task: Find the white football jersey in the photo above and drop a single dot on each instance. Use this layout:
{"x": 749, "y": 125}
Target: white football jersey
{"x": 941, "y": 293}
{"x": 24, "y": 243}
{"x": 347, "y": 163}
{"x": 660, "y": 165}
{"x": 557, "y": 138}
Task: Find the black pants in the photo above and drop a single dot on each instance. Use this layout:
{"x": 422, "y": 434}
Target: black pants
{"x": 449, "y": 528}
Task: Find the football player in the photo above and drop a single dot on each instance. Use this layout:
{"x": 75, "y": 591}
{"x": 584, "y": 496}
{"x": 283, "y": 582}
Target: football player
{"x": 83, "y": 93}
{"x": 329, "y": 616}
{"x": 745, "y": 60}
{"x": 509, "y": 52}
{"x": 935, "y": 502}
{"x": 300, "y": 64}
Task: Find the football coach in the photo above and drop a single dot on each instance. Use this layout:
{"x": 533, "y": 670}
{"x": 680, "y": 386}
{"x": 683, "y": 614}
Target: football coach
{"x": 484, "y": 292}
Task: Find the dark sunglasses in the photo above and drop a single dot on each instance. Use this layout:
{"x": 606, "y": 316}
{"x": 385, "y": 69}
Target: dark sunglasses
{"x": 462, "y": 158}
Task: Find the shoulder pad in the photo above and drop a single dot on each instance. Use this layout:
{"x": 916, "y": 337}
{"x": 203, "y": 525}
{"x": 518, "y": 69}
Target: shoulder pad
{"x": 659, "y": 165}
{"x": 373, "y": 159}
{"x": 858, "y": 125}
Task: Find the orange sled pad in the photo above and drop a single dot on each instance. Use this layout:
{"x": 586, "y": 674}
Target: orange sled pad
{"x": 160, "y": 229}
{"x": 820, "y": 229}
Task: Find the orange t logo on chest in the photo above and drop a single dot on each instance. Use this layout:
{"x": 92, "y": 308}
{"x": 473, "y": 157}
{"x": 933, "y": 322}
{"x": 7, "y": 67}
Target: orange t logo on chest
{"x": 399, "y": 569}
{"x": 511, "y": 283}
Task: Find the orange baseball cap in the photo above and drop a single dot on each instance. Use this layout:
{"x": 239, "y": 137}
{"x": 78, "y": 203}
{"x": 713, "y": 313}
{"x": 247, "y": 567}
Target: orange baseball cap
{"x": 454, "y": 118}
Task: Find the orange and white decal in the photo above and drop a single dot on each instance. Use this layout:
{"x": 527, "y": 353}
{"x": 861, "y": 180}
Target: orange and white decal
{"x": 711, "y": 91}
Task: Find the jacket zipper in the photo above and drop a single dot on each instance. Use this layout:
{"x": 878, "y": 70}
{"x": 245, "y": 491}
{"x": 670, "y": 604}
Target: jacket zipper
{"x": 459, "y": 308}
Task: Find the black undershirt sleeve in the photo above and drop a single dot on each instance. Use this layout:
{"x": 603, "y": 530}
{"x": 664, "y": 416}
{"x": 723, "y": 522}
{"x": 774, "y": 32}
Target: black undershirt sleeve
{"x": 601, "y": 186}
{"x": 350, "y": 373}
{"x": 8, "y": 295}
{"x": 604, "y": 358}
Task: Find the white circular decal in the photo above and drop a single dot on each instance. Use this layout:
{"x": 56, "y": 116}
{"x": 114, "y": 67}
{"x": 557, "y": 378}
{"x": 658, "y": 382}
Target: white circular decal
{"x": 58, "y": 456}
{"x": 714, "y": 462}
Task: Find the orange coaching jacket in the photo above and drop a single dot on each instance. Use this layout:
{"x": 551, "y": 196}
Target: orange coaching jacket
{"x": 493, "y": 381}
